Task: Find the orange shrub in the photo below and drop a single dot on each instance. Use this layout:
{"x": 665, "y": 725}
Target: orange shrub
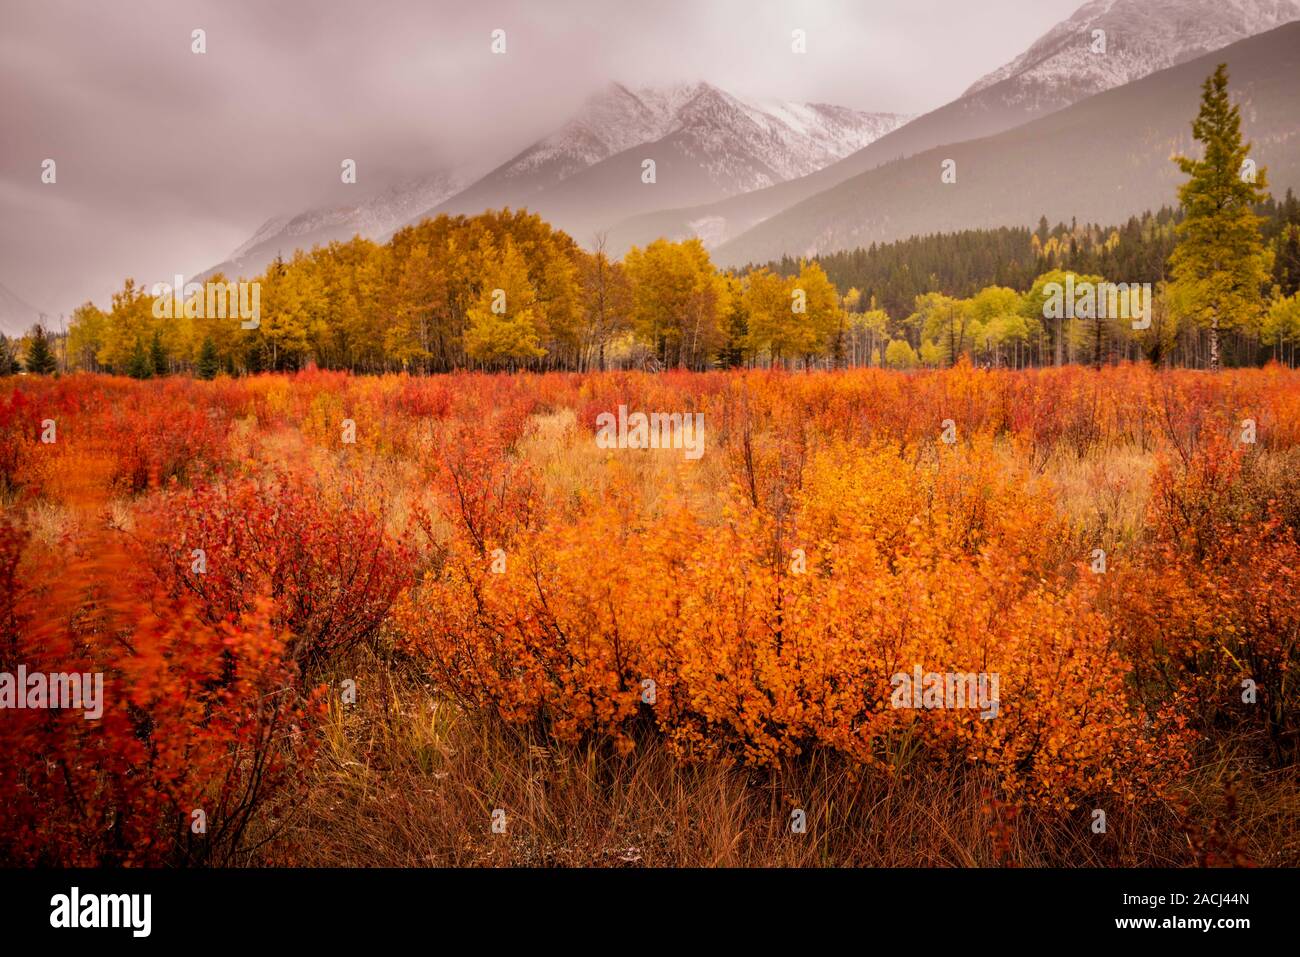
{"x": 1208, "y": 609}
{"x": 940, "y": 567}
{"x": 756, "y": 605}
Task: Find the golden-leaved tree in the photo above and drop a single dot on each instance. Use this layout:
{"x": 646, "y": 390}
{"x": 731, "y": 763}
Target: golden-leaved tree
{"x": 678, "y": 301}
{"x": 504, "y": 319}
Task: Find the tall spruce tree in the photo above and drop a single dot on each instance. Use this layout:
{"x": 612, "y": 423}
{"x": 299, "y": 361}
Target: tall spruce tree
{"x": 1220, "y": 263}
{"x": 40, "y": 357}
{"x": 208, "y": 364}
{"x": 139, "y": 365}
{"x": 157, "y": 355}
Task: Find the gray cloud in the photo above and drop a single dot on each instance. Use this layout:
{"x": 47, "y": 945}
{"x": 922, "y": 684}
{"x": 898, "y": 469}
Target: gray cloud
{"x": 167, "y": 160}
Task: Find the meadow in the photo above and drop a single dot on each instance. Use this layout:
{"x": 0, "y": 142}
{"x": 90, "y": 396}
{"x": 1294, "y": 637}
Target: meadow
{"x": 417, "y": 621}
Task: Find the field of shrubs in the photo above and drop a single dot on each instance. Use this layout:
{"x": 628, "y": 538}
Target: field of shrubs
{"x": 431, "y": 621}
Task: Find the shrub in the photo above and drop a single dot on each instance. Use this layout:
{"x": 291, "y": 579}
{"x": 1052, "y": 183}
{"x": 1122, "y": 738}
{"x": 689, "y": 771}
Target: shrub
{"x": 197, "y": 716}
{"x": 327, "y": 563}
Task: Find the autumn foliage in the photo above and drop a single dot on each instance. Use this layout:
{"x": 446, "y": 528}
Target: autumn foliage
{"x": 198, "y": 715}
{"x": 330, "y": 567}
{"x": 221, "y": 551}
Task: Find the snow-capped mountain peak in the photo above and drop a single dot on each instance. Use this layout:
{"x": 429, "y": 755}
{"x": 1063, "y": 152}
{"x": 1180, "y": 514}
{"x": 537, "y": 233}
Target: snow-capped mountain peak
{"x": 620, "y": 117}
{"x": 609, "y": 122}
{"x": 788, "y": 139}
{"x": 1107, "y": 43}
{"x": 730, "y": 144}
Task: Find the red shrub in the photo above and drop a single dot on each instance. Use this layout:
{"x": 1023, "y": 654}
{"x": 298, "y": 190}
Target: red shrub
{"x": 329, "y": 566}
{"x": 196, "y": 716}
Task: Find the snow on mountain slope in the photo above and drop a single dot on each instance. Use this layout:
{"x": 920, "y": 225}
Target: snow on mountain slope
{"x": 268, "y": 230}
{"x": 716, "y": 143}
{"x": 800, "y": 137}
{"x": 609, "y": 122}
{"x": 1059, "y": 69}
{"x": 789, "y": 139}
{"x": 373, "y": 217}
{"x": 736, "y": 144}
{"x": 1140, "y": 37}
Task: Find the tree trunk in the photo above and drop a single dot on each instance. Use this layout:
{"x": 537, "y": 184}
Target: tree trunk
{"x": 1214, "y": 342}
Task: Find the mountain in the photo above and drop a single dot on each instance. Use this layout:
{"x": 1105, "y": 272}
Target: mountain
{"x": 1142, "y": 36}
{"x": 17, "y": 316}
{"x": 373, "y": 217}
{"x": 609, "y": 122}
{"x": 1100, "y": 160}
{"x": 706, "y": 144}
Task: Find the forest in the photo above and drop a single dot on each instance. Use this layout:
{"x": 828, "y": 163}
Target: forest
{"x": 424, "y": 302}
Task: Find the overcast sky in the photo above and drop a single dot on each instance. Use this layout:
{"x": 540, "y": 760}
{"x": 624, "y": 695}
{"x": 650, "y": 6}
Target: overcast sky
{"x": 168, "y": 160}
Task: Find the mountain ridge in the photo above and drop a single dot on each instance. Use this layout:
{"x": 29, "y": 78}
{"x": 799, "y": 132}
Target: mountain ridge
{"x": 373, "y": 216}
{"x": 616, "y": 123}
{"x": 710, "y": 142}
{"x": 999, "y": 101}
{"x": 1014, "y": 177}
{"x": 17, "y": 315}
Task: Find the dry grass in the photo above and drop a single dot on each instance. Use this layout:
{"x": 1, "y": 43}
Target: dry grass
{"x": 571, "y": 466}
{"x": 1106, "y": 495}
{"x": 404, "y": 780}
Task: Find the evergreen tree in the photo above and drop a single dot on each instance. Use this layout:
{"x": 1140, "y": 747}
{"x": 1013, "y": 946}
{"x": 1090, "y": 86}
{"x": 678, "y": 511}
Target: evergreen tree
{"x": 1220, "y": 263}
{"x": 732, "y": 353}
{"x": 208, "y": 365}
{"x": 1288, "y": 258}
{"x": 1286, "y": 265}
{"x": 40, "y": 357}
{"x": 139, "y": 365}
{"x": 157, "y": 357}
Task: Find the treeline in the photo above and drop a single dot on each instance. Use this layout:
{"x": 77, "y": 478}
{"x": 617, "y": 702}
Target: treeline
{"x": 962, "y": 263}
{"x": 498, "y": 291}
{"x": 505, "y": 291}
{"x": 1215, "y": 282}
